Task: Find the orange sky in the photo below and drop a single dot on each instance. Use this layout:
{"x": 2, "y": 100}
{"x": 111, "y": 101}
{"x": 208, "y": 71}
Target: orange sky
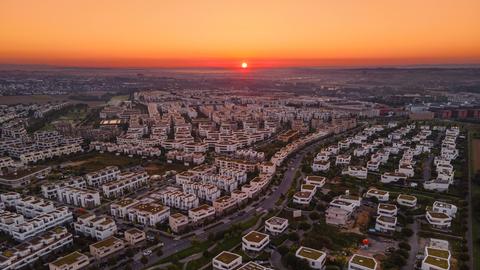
{"x": 225, "y": 32}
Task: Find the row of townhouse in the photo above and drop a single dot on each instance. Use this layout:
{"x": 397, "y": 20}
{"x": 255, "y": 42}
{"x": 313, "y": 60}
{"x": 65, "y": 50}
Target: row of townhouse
{"x": 50, "y": 191}
{"x": 30, "y": 251}
{"x": 443, "y": 167}
{"x": 204, "y": 191}
{"x": 146, "y": 211}
{"x": 187, "y": 158}
{"x": 105, "y": 175}
{"x": 235, "y": 164}
{"x": 127, "y": 181}
{"x": 176, "y": 198}
{"x": 32, "y": 157}
{"x": 292, "y": 147}
{"x": 29, "y": 206}
{"x": 95, "y": 227}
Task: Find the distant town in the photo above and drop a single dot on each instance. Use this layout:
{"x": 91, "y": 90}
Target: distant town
{"x": 282, "y": 169}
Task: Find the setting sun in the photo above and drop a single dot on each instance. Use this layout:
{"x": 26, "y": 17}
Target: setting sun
{"x": 244, "y": 65}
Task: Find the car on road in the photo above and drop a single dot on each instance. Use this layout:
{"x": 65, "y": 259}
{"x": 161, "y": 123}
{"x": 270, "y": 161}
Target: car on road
{"x": 147, "y": 252}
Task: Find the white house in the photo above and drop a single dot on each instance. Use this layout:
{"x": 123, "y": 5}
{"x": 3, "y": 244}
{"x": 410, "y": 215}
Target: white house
{"x": 356, "y": 171}
{"x": 381, "y": 195}
{"x": 390, "y": 177}
{"x": 359, "y": 262}
{"x": 276, "y": 225}
{"x": 386, "y": 223}
{"x": 226, "y": 261}
{"x": 315, "y": 258}
{"x": 407, "y": 200}
{"x": 255, "y": 241}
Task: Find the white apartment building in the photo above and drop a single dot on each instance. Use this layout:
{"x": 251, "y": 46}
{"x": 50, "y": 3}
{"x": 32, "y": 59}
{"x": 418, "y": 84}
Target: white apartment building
{"x": 316, "y": 259}
{"x": 318, "y": 181}
{"x": 177, "y": 222}
{"x": 303, "y": 197}
{"x": 40, "y": 223}
{"x": 50, "y": 191}
{"x": 437, "y": 185}
{"x": 343, "y": 160}
{"x": 72, "y": 261}
{"x": 80, "y": 197}
{"x": 407, "y": 200}
{"x": 386, "y": 224}
{"x": 360, "y": 262}
{"x": 127, "y": 181}
{"x": 438, "y": 219}
{"x": 176, "y": 199}
{"x": 32, "y": 250}
{"x": 437, "y": 255}
{"x": 95, "y": 227}
{"x": 203, "y": 191}
{"x": 356, "y": 171}
{"x": 320, "y": 166}
{"x": 255, "y": 241}
{"x": 102, "y": 176}
{"x": 444, "y": 207}
{"x": 240, "y": 196}
{"x": 387, "y": 209}
{"x": 201, "y": 214}
{"x": 224, "y": 203}
{"x": 148, "y": 213}
{"x": 104, "y": 248}
{"x": 32, "y": 157}
{"x": 226, "y": 261}
{"x": 381, "y": 195}
{"x": 337, "y": 216}
{"x": 406, "y": 170}
{"x": 276, "y": 225}
{"x": 120, "y": 208}
{"x": 373, "y": 165}
{"x": 390, "y": 177}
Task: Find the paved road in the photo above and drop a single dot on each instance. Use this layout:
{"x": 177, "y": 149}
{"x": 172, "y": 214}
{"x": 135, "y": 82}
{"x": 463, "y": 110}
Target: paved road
{"x": 414, "y": 244}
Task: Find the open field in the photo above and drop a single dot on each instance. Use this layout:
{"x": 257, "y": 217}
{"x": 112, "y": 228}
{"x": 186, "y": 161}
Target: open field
{"x": 43, "y": 99}
{"x": 116, "y": 100}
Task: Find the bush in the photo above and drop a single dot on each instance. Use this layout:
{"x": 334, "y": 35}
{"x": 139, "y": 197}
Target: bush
{"x": 304, "y": 226}
{"x": 282, "y": 250}
{"x": 293, "y": 236}
{"x": 407, "y": 232}
{"x": 404, "y": 245}
{"x": 314, "y": 215}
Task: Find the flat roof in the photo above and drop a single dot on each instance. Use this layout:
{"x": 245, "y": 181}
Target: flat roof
{"x": 364, "y": 261}
{"x": 438, "y": 262}
{"x": 310, "y": 253}
{"x": 387, "y": 206}
{"x": 227, "y": 257}
{"x": 440, "y": 253}
{"x": 106, "y": 243}
{"x": 68, "y": 259}
{"x": 255, "y": 236}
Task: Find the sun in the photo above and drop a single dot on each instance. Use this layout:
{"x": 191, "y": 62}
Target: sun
{"x": 244, "y": 65}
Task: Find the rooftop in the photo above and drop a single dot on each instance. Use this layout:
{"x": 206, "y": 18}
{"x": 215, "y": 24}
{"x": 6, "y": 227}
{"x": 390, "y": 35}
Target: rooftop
{"x": 227, "y": 257}
{"x": 255, "y": 236}
{"x": 364, "y": 261}
{"x": 438, "y": 262}
{"x": 310, "y": 253}
{"x": 68, "y": 259}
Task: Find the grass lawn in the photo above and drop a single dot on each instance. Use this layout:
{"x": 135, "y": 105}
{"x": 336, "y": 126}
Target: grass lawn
{"x": 476, "y": 228}
{"x": 93, "y": 161}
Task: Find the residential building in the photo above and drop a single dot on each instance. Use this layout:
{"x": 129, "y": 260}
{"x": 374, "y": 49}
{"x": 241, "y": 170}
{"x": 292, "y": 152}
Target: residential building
{"x": 95, "y": 227}
{"x": 407, "y": 200}
{"x": 386, "y": 224}
{"x": 255, "y": 241}
{"x": 201, "y": 214}
{"x": 178, "y": 222}
{"x": 315, "y": 258}
{"x": 106, "y": 247}
{"x": 226, "y": 261}
{"x": 276, "y": 225}
{"x": 148, "y": 213}
{"x": 134, "y": 236}
{"x": 360, "y": 262}
{"x": 381, "y": 195}
{"x": 72, "y": 261}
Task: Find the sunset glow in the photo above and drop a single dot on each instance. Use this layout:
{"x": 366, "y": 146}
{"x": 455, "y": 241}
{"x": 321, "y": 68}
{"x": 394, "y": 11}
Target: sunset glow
{"x": 222, "y": 33}
{"x": 244, "y": 65}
